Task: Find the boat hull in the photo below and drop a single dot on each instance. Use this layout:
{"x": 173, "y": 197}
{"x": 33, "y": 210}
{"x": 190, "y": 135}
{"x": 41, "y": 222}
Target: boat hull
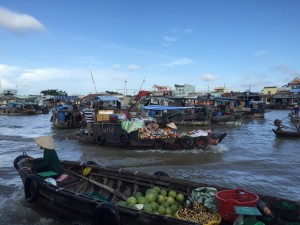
{"x": 112, "y": 134}
{"x": 288, "y": 134}
{"x": 73, "y": 197}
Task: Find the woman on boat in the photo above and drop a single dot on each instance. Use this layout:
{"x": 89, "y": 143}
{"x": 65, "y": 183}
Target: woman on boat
{"x": 50, "y": 160}
{"x": 169, "y": 129}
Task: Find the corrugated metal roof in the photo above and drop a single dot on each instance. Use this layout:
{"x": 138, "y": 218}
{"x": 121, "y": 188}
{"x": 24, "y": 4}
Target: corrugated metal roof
{"x": 65, "y": 97}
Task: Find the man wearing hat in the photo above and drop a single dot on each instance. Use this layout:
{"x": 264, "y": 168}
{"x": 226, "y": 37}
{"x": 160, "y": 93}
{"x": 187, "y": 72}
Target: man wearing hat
{"x": 50, "y": 161}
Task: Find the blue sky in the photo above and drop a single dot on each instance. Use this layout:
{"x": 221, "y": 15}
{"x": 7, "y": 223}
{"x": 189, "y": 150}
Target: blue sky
{"x": 239, "y": 44}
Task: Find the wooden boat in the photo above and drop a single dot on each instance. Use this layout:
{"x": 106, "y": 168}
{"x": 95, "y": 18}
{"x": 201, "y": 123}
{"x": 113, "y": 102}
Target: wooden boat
{"x": 20, "y": 109}
{"x": 256, "y": 109}
{"x": 66, "y": 117}
{"x": 289, "y": 132}
{"x": 286, "y": 133}
{"x": 294, "y": 118}
{"x": 191, "y": 116}
{"x": 92, "y": 194}
{"x": 223, "y": 119}
{"x": 112, "y": 134}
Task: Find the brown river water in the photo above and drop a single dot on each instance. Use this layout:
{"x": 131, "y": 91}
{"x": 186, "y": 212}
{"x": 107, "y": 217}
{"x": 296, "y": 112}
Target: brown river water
{"x": 249, "y": 157}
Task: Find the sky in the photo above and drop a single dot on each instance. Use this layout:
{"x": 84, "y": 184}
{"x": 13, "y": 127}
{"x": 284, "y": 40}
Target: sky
{"x": 84, "y": 47}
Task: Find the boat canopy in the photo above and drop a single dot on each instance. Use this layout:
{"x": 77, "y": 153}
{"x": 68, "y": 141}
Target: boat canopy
{"x": 161, "y": 107}
{"x": 65, "y": 97}
{"x": 295, "y": 90}
{"x": 105, "y": 98}
{"x": 224, "y": 99}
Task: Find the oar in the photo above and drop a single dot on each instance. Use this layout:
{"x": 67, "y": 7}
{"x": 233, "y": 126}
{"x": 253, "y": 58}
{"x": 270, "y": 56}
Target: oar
{"x": 291, "y": 128}
{"x": 115, "y": 192}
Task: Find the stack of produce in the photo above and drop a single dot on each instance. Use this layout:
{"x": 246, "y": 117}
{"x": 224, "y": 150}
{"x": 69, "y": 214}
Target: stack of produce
{"x": 156, "y": 201}
{"x": 198, "y": 213}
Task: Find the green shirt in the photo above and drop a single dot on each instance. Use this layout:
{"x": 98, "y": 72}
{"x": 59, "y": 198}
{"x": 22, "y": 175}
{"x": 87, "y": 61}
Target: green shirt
{"x": 49, "y": 162}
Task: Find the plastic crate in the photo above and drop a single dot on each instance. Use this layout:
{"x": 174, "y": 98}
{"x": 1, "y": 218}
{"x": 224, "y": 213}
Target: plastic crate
{"x": 227, "y": 199}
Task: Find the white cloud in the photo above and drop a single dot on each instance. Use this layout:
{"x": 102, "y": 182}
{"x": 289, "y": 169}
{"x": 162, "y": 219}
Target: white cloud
{"x": 116, "y": 66}
{"x": 188, "y": 31}
{"x": 178, "y": 62}
{"x": 284, "y": 69}
{"x": 133, "y": 67}
{"x": 260, "y": 53}
{"x": 19, "y": 23}
{"x": 168, "y": 40}
{"x": 208, "y": 77}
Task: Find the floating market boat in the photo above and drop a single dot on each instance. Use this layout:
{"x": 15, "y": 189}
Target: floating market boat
{"x": 136, "y": 134}
{"x": 22, "y": 109}
{"x": 256, "y": 109}
{"x": 285, "y": 131}
{"x": 66, "y": 117}
{"x": 92, "y": 194}
{"x": 229, "y": 119}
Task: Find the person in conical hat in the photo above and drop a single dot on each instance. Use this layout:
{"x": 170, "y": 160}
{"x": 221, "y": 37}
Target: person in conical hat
{"x": 172, "y": 125}
{"x": 50, "y": 160}
{"x": 45, "y": 142}
{"x": 169, "y": 127}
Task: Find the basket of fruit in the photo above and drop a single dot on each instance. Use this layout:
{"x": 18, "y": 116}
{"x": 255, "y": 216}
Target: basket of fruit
{"x": 198, "y": 213}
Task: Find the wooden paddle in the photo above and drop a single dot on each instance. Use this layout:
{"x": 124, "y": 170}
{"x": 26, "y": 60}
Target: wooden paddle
{"x": 115, "y": 192}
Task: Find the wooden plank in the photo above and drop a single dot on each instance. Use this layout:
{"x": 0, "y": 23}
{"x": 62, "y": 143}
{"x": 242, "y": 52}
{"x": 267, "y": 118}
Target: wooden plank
{"x": 115, "y": 192}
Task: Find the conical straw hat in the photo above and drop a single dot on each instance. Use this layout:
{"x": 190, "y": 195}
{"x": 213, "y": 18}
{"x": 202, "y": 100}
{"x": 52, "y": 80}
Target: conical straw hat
{"x": 45, "y": 142}
{"x": 172, "y": 125}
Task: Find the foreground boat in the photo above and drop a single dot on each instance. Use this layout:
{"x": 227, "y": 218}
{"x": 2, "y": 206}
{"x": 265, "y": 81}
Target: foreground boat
{"x": 113, "y": 134}
{"x": 92, "y": 194}
{"x": 284, "y": 131}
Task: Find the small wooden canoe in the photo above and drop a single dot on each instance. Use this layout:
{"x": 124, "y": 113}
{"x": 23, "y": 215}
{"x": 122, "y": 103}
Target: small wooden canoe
{"x": 286, "y": 133}
{"x": 90, "y": 194}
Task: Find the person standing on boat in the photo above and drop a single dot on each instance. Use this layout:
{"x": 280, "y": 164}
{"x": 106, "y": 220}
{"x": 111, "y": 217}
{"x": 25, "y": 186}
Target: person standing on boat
{"x": 88, "y": 116}
{"x": 296, "y": 110}
{"x": 50, "y": 160}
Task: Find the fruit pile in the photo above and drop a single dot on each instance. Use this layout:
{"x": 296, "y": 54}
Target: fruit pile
{"x": 198, "y": 213}
{"x": 156, "y": 201}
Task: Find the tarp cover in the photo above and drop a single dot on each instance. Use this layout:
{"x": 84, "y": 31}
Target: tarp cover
{"x": 107, "y": 98}
{"x": 132, "y": 125}
{"x": 295, "y": 90}
{"x": 161, "y": 107}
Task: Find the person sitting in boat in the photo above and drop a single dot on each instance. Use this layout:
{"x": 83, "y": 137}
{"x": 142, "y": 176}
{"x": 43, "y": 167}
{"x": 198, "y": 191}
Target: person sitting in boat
{"x": 50, "y": 160}
{"x": 169, "y": 129}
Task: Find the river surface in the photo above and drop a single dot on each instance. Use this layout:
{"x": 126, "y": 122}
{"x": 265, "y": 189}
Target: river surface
{"x": 249, "y": 157}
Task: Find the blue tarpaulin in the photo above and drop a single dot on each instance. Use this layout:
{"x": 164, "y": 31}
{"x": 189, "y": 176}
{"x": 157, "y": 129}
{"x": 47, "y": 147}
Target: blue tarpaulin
{"x": 295, "y": 90}
{"x": 107, "y": 98}
{"x": 161, "y": 107}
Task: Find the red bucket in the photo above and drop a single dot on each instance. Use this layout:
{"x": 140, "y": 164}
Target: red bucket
{"x": 227, "y": 199}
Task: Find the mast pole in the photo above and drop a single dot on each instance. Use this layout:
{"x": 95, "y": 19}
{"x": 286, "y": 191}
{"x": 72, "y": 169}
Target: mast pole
{"x": 93, "y": 81}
